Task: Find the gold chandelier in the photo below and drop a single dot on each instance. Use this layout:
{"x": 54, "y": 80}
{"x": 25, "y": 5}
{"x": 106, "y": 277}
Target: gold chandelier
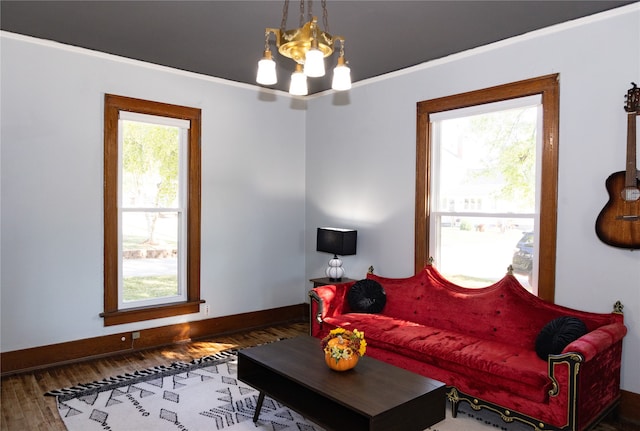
{"x": 307, "y": 45}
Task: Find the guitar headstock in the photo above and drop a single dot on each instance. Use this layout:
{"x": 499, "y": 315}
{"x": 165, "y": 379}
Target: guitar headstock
{"x": 633, "y": 99}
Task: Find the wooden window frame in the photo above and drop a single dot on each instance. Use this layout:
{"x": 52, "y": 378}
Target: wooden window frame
{"x": 112, "y": 106}
{"x": 548, "y": 87}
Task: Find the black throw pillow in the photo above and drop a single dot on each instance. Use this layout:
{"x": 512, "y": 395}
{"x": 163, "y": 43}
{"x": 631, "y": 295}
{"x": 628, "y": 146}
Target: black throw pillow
{"x": 367, "y": 296}
{"x": 557, "y": 334}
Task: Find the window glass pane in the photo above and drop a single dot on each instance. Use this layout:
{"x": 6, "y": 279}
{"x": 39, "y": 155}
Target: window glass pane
{"x": 150, "y": 165}
{"x": 149, "y": 255}
{"x": 484, "y": 199}
{"x": 151, "y": 208}
{"x": 476, "y": 251}
{"x": 487, "y": 162}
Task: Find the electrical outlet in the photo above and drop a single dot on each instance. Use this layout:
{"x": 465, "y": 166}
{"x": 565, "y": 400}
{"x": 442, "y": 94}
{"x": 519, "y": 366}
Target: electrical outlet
{"x": 206, "y": 309}
{"x": 135, "y": 335}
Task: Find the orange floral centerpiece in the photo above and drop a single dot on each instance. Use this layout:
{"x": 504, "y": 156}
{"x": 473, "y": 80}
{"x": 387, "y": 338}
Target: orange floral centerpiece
{"x": 342, "y": 348}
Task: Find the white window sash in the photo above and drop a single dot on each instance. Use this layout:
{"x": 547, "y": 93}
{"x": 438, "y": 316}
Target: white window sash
{"x": 519, "y": 102}
{"x": 435, "y": 120}
{"x": 155, "y": 119}
{"x": 181, "y": 211}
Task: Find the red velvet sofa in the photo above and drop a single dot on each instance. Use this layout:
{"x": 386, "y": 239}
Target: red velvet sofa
{"x": 480, "y": 342}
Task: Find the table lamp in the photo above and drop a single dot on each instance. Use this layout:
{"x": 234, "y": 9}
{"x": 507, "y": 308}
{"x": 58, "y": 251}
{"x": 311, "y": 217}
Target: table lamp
{"x": 338, "y": 242}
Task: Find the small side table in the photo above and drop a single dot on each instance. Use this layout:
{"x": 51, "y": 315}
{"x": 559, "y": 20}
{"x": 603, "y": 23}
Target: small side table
{"x": 325, "y": 280}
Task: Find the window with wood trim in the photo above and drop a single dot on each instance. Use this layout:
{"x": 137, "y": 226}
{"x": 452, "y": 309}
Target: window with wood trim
{"x": 474, "y": 205}
{"x": 151, "y": 210}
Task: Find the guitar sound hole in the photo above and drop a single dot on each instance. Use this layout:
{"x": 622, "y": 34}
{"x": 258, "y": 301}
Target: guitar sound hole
{"x": 630, "y": 194}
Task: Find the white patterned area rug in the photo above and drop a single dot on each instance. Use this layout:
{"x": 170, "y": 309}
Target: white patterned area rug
{"x": 203, "y": 395}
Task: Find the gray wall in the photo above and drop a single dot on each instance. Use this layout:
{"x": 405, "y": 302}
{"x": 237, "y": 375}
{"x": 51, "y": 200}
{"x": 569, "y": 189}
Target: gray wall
{"x": 361, "y": 169}
{"x": 253, "y": 191}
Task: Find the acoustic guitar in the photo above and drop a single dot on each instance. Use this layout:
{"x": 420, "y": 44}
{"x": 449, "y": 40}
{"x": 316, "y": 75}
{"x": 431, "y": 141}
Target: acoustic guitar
{"x": 618, "y": 224}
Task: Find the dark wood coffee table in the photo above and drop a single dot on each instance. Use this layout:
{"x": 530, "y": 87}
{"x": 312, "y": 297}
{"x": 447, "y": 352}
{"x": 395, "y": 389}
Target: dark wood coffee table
{"x": 372, "y": 396}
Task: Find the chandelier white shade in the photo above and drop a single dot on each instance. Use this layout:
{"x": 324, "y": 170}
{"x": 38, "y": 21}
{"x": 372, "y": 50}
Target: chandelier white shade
{"x": 307, "y": 46}
{"x": 314, "y": 63}
{"x": 298, "y": 86}
{"x": 341, "y": 76}
{"x": 267, "y": 70}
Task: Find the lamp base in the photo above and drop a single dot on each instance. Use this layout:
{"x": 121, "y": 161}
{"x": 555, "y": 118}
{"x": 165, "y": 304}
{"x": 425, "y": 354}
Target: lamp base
{"x": 335, "y": 272}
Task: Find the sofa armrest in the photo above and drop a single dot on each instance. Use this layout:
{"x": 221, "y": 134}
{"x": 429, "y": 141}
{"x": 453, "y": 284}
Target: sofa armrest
{"x": 328, "y": 300}
{"x": 596, "y": 341}
{"x": 586, "y": 375}
{"x": 333, "y": 298}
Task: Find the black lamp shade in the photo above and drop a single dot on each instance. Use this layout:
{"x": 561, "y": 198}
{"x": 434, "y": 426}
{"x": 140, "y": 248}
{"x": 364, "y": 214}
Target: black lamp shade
{"x": 337, "y": 241}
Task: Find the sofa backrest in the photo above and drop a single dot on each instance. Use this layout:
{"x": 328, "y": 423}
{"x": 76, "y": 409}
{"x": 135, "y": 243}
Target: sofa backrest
{"x": 504, "y": 311}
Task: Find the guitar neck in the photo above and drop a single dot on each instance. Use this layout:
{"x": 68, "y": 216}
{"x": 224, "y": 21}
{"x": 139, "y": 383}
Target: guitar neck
{"x": 631, "y": 171}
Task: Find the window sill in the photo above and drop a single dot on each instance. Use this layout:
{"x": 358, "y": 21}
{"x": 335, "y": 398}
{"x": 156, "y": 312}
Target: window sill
{"x": 147, "y": 313}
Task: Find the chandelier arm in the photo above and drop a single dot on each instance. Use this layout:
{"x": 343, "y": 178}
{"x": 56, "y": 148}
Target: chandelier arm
{"x": 314, "y": 33}
{"x": 341, "y": 39}
{"x": 276, "y": 32}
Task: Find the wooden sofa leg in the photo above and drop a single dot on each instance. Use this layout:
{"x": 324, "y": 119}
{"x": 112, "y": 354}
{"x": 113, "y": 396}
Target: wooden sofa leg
{"x": 454, "y": 400}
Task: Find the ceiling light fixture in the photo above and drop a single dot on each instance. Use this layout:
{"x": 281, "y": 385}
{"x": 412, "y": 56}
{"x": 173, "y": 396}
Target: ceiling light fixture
{"x": 307, "y": 45}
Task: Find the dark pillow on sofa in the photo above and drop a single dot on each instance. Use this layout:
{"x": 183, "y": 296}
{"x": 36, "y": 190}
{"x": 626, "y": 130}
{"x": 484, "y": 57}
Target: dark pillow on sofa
{"x": 367, "y": 296}
{"x": 557, "y": 334}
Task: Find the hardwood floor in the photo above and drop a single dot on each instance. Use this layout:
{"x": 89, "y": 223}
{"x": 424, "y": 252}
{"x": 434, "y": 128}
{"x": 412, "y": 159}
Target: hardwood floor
{"x": 25, "y": 408}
